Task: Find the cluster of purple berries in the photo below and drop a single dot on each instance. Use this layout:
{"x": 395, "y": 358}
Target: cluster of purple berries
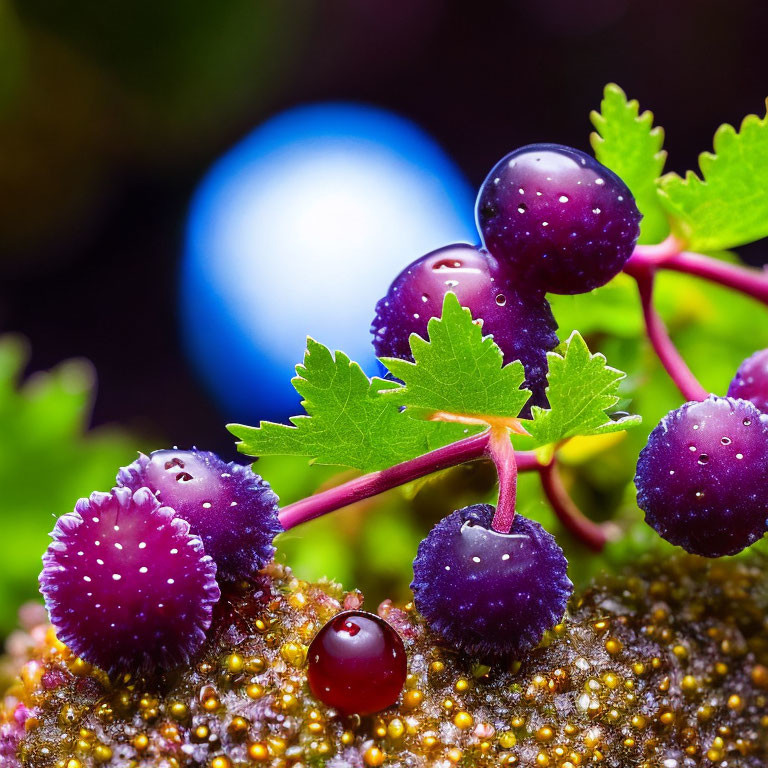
{"x": 551, "y": 219}
{"x": 702, "y": 478}
{"x": 132, "y": 576}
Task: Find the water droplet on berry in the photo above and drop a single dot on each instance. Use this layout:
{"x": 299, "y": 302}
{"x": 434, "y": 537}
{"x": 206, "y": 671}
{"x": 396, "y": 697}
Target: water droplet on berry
{"x": 726, "y": 441}
{"x": 703, "y": 458}
{"x": 522, "y": 208}
{"x": 501, "y": 299}
{"x": 563, "y": 198}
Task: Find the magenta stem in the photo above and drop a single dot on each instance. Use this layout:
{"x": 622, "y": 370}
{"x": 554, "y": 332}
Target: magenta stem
{"x": 669, "y": 255}
{"x": 573, "y": 519}
{"x": 503, "y": 455}
{"x": 377, "y": 482}
{"x": 667, "y": 352}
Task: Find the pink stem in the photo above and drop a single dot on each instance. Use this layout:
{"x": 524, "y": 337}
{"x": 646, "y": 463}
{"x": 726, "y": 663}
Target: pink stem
{"x": 670, "y": 358}
{"x": 503, "y": 454}
{"x": 669, "y": 255}
{"x": 588, "y": 532}
{"x": 377, "y": 482}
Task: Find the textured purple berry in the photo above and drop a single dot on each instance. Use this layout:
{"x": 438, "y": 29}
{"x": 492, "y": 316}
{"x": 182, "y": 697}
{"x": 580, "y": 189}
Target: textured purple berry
{"x": 233, "y": 510}
{"x": 125, "y": 583}
{"x": 702, "y": 480}
{"x": 490, "y": 594}
{"x": 520, "y": 321}
{"x": 560, "y": 220}
{"x": 751, "y": 381}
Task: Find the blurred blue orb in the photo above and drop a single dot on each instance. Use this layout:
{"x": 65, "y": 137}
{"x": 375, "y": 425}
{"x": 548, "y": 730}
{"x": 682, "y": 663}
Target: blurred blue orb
{"x": 298, "y": 231}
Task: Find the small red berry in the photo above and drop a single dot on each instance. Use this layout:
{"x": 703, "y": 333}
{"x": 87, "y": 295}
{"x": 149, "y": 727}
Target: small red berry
{"x": 357, "y": 663}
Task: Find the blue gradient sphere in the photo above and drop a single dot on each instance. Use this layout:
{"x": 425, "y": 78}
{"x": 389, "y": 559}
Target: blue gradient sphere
{"x": 298, "y": 231}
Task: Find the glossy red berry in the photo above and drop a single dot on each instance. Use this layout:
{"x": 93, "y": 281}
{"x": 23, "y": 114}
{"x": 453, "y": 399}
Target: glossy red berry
{"x": 357, "y": 663}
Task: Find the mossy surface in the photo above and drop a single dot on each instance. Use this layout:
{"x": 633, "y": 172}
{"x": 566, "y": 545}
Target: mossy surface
{"x": 663, "y": 668}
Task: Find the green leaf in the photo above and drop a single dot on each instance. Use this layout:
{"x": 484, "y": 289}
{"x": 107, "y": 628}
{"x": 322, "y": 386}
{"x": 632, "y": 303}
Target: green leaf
{"x": 628, "y": 144}
{"x": 48, "y": 459}
{"x": 348, "y": 421}
{"x": 582, "y": 387}
{"x": 458, "y": 370}
{"x": 728, "y": 205}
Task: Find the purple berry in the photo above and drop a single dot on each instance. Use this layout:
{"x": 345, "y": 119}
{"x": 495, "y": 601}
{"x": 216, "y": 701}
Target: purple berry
{"x": 561, "y": 221}
{"x": 702, "y": 480}
{"x": 490, "y": 594}
{"x": 520, "y": 322}
{"x": 357, "y": 663}
{"x": 125, "y": 583}
{"x": 232, "y": 509}
{"x": 751, "y": 381}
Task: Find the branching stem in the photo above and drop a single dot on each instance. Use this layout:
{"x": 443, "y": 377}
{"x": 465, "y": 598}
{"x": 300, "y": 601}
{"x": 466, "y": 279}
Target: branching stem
{"x": 592, "y": 534}
{"x": 372, "y": 484}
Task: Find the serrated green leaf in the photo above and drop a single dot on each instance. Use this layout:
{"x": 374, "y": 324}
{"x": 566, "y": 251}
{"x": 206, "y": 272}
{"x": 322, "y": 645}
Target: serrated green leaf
{"x": 728, "y": 205}
{"x": 582, "y": 387}
{"x": 458, "y": 370}
{"x": 628, "y": 144}
{"x": 348, "y": 421}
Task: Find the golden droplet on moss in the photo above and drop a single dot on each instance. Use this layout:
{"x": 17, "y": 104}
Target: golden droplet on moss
{"x": 347, "y": 738}
{"x": 178, "y": 710}
{"x": 735, "y": 703}
{"x": 234, "y": 663}
{"x": 429, "y": 740}
{"x": 455, "y": 755}
{"x": 201, "y": 733}
{"x": 463, "y": 720}
{"x": 73, "y": 763}
{"x": 373, "y": 757}
{"x": 140, "y": 742}
{"x": 545, "y": 734}
{"x": 258, "y": 752}
{"x": 613, "y": 645}
{"x": 221, "y": 761}
{"x": 689, "y": 684}
{"x": 412, "y": 699}
{"x": 436, "y": 667}
{"x": 462, "y": 685}
{"x": 294, "y": 654}
{"x": 638, "y": 722}
{"x": 760, "y": 676}
{"x": 102, "y": 753}
{"x": 255, "y": 691}
{"x": 395, "y": 729}
{"x": 542, "y": 759}
{"x": 507, "y": 739}
{"x": 238, "y": 726}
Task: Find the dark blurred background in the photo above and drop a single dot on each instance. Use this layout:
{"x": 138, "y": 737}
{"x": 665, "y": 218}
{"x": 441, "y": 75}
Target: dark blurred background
{"x": 112, "y": 112}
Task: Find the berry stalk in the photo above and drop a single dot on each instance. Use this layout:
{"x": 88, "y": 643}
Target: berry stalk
{"x": 591, "y": 534}
{"x": 374, "y": 483}
{"x": 665, "y": 348}
{"x": 502, "y": 454}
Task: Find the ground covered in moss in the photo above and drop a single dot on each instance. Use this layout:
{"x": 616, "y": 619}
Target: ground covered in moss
{"x": 664, "y": 668}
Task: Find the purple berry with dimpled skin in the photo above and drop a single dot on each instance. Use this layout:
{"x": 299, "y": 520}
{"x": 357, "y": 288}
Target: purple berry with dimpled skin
{"x": 702, "y": 480}
{"x": 490, "y": 594}
{"x": 520, "y": 322}
{"x": 751, "y": 381}
{"x": 125, "y": 583}
{"x": 233, "y": 510}
{"x": 557, "y": 218}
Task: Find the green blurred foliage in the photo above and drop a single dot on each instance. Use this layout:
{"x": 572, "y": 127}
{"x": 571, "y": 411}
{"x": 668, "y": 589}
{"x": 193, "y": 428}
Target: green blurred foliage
{"x": 48, "y": 459}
